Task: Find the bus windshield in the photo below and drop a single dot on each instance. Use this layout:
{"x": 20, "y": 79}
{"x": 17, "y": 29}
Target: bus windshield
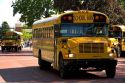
{"x": 116, "y": 34}
{"x": 83, "y": 30}
{"x": 13, "y": 37}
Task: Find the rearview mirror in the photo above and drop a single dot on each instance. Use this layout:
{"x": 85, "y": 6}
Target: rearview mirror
{"x": 57, "y": 34}
{"x": 57, "y": 30}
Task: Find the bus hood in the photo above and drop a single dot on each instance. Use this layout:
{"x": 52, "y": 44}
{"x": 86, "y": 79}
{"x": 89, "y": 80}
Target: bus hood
{"x": 113, "y": 41}
{"x": 88, "y": 40}
{"x": 88, "y": 44}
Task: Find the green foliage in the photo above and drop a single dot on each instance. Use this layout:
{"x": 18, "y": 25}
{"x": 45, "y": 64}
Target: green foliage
{"x": 122, "y": 2}
{"x": 5, "y": 26}
{"x": 63, "y": 5}
{"x": 110, "y": 7}
{"x": 27, "y": 34}
{"x": 32, "y": 10}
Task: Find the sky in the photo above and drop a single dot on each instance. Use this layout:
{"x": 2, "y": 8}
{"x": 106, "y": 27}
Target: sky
{"x": 6, "y": 13}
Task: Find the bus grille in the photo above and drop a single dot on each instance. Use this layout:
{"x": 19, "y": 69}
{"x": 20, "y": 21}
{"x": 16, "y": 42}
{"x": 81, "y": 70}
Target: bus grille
{"x": 91, "y": 48}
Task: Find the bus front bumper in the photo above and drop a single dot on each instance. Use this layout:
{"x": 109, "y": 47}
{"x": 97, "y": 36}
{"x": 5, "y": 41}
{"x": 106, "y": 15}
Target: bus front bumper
{"x": 94, "y": 63}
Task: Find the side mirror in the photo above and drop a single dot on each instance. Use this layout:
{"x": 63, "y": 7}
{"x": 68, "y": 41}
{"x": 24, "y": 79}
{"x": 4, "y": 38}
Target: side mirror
{"x": 56, "y": 30}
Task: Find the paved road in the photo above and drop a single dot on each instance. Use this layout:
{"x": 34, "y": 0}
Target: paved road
{"x": 24, "y": 69}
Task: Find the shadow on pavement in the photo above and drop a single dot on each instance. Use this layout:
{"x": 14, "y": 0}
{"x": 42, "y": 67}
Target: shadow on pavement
{"x": 34, "y": 74}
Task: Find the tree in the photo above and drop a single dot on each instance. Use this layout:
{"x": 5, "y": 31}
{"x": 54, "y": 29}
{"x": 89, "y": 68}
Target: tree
{"x": 110, "y": 7}
{"x": 122, "y": 2}
{"x": 63, "y": 5}
{"x": 5, "y": 26}
{"x": 27, "y": 34}
{"x": 32, "y": 10}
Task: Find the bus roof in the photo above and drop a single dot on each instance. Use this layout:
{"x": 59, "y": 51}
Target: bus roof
{"x": 122, "y": 27}
{"x": 18, "y": 32}
{"x": 46, "y": 20}
{"x": 57, "y": 16}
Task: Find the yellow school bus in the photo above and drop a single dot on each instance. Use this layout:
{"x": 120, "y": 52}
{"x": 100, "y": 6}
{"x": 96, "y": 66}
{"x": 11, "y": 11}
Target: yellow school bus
{"x": 11, "y": 41}
{"x": 73, "y": 41}
{"x": 118, "y": 33}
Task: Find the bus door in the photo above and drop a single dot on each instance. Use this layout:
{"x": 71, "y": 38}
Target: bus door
{"x": 56, "y": 35}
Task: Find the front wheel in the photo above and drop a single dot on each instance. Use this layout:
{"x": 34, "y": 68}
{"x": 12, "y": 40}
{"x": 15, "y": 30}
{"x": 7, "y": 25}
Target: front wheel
{"x": 2, "y": 48}
{"x": 43, "y": 64}
{"x": 16, "y": 49}
{"x": 40, "y": 61}
{"x": 62, "y": 70}
{"x": 110, "y": 72}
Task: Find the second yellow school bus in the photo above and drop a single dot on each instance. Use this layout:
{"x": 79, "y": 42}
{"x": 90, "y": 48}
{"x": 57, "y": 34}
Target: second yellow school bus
{"x": 117, "y": 32}
{"x": 11, "y": 40}
{"x": 74, "y": 40}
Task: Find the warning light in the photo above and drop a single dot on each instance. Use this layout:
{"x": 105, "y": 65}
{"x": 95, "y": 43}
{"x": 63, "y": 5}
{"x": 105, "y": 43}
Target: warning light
{"x": 67, "y": 18}
{"x": 99, "y": 18}
{"x": 64, "y": 18}
{"x": 70, "y": 18}
{"x": 96, "y": 17}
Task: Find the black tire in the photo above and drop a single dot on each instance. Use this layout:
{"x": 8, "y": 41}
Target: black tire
{"x": 43, "y": 64}
{"x": 2, "y": 48}
{"x": 110, "y": 72}
{"x": 20, "y": 48}
{"x": 40, "y": 60}
{"x": 62, "y": 70}
{"x": 16, "y": 49}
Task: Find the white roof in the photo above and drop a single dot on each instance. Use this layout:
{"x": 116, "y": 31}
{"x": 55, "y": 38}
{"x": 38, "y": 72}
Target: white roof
{"x": 18, "y": 32}
{"x": 56, "y": 16}
{"x": 46, "y": 20}
{"x": 121, "y": 27}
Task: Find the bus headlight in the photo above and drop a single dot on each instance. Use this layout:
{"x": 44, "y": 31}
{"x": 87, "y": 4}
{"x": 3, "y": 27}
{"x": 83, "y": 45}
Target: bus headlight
{"x": 111, "y": 54}
{"x": 115, "y": 43}
{"x": 71, "y": 55}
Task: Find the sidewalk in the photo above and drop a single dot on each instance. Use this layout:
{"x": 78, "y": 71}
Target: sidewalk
{"x": 26, "y": 49}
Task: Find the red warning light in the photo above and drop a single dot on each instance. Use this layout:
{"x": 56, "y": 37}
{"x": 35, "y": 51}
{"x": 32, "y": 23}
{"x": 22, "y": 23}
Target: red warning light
{"x": 65, "y": 18}
{"x": 101, "y": 17}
